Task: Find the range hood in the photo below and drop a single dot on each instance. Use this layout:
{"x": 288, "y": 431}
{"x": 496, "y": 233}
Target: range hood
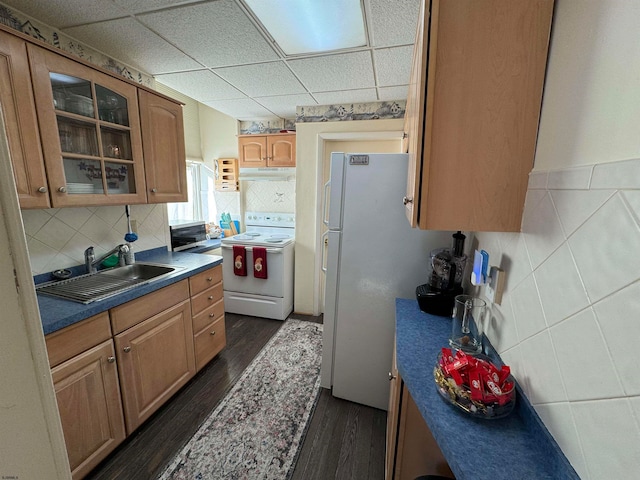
{"x": 270, "y": 173}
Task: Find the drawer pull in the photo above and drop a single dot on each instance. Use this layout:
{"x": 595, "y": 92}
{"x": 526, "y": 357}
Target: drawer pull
{"x": 42, "y": 190}
{"x": 210, "y": 297}
{"x": 211, "y": 315}
{"x": 209, "y": 279}
{"x": 127, "y": 349}
{"x": 111, "y": 359}
{"x": 391, "y": 376}
{"x": 213, "y": 332}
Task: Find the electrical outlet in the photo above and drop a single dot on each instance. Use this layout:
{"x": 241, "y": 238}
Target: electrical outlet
{"x": 495, "y": 287}
{"x": 134, "y": 226}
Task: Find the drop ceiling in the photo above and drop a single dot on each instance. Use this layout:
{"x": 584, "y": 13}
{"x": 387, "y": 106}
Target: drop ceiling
{"x": 216, "y": 52}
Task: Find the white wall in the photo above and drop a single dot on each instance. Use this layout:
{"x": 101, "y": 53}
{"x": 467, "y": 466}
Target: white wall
{"x": 590, "y": 110}
{"x": 218, "y": 134}
{"x": 308, "y": 178}
{"x": 569, "y": 324}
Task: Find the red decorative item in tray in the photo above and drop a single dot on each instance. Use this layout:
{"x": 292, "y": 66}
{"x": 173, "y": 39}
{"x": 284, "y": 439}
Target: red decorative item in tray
{"x": 474, "y": 384}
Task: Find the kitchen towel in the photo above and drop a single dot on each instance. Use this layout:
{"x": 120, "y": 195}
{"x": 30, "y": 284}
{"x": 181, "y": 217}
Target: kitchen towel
{"x": 239, "y": 260}
{"x": 259, "y": 262}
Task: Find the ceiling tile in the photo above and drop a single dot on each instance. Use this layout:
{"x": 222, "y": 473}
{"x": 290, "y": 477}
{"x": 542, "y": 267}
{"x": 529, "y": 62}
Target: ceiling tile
{"x": 335, "y": 72}
{"x": 201, "y": 85}
{"x": 393, "y": 23}
{"x": 393, "y": 93}
{"x": 216, "y": 33}
{"x": 263, "y": 79}
{"x": 241, "y": 109}
{"x": 349, "y": 96}
{"x": 285, "y": 105}
{"x": 393, "y": 65}
{"x": 132, "y": 43}
{"x": 63, "y": 13}
{"x": 139, "y": 6}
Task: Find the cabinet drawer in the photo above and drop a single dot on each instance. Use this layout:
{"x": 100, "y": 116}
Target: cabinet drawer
{"x": 135, "y": 311}
{"x": 211, "y": 314}
{"x": 75, "y": 339}
{"x": 206, "y": 299}
{"x": 206, "y": 279}
{"x": 209, "y": 342}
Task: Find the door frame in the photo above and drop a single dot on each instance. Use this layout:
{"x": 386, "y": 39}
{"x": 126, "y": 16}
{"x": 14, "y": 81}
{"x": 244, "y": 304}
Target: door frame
{"x": 322, "y": 138}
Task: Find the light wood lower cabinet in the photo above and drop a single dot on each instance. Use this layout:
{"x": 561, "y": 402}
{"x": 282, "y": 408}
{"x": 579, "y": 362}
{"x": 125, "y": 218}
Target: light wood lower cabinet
{"x": 411, "y": 449}
{"x": 113, "y": 370}
{"x": 155, "y": 359}
{"x": 85, "y": 380}
{"x": 207, "y": 308}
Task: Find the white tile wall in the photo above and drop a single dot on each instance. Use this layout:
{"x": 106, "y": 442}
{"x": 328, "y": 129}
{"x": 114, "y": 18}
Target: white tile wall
{"x": 569, "y": 322}
{"x": 270, "y": 196}
{"x": 57, "y": 237}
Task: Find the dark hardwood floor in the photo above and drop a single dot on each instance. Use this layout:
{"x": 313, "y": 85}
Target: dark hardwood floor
{"x": 344, "y": 440}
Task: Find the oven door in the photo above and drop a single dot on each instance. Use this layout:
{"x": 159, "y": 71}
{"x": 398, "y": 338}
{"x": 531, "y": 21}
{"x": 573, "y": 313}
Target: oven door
{"x": 279, "y": 272}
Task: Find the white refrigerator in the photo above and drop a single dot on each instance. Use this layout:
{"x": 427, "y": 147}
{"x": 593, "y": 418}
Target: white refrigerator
{"x": 372, "y": 256}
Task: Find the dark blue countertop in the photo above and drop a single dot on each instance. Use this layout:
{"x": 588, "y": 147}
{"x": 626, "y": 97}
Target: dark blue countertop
{"x": 57, "y": 313}
{"x": 518, "y": 446}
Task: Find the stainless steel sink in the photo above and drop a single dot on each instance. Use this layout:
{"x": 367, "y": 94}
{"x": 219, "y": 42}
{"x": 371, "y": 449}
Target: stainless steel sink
{"x": 106, "y": 283}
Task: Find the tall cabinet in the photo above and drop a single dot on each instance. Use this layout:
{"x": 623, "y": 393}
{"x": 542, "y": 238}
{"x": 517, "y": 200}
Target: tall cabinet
{"x": 21, "y": 124}
{"x": 473, "y": 110}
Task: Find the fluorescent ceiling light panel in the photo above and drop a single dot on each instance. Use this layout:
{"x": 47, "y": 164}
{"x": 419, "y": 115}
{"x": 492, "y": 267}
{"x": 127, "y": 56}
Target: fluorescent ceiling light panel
{"x": 311, "y": 26}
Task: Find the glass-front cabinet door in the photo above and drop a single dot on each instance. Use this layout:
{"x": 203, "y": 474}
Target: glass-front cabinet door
{"x": 90, "y": 127}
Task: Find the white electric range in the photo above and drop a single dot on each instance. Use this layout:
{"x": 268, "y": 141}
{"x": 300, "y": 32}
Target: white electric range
{"x": 270, "y": 297}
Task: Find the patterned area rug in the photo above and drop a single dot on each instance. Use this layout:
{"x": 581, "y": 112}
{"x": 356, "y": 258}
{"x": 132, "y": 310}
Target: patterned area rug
{"x": 257, "y": 430}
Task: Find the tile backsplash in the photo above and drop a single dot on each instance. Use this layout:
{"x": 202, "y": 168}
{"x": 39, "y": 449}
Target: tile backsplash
{"x": 270, "y": 196}
{"x": 57, "y": 237}
{"x": 570, "y": 317}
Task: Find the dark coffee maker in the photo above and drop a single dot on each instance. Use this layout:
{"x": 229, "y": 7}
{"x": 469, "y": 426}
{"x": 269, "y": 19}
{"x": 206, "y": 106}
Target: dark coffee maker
{"x": 447, "y": 270}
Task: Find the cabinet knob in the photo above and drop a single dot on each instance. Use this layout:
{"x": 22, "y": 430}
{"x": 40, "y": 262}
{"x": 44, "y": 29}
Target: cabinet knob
{"x": 211, "y": 315}
{"x": 213, "y": 332}
{"x": 406, "y": 200}
{"x": 391, "y": 376}
{"x": 405, "y": 135}
{"x": 127, "y": 349}
{"x": 210, "y": 297}
{"x": 154, "y": 190}
{"x": 62, "y": 189}
{"x": 42, "y": 190}
{"x": 209, "y": 279}
{"x": 111, "y": 359}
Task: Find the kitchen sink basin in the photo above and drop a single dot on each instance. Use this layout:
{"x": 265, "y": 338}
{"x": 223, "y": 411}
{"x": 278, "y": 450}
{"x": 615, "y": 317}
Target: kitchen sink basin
{"x": 106, "y": 283}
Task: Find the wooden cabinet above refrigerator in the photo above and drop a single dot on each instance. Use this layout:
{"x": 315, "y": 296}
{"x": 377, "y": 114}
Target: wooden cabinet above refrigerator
{"x": 473, "y": 110}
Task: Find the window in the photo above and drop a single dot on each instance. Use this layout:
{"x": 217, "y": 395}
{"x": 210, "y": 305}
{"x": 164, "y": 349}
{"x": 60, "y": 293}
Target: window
{"x": 200, "y": 187}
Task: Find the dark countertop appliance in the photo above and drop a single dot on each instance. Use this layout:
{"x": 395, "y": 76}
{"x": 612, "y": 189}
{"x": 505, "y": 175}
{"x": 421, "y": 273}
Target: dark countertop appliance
{"x": 187, "y": 234}
{"x": 445, "y": 283}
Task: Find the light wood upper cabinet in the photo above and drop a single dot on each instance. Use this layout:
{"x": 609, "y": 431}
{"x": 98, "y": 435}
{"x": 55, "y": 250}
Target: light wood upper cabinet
{"x": 90, "y": 128}
{"x": 21, "y": 125}
{"x": 473, "y": 110}
{"x": 164, "y": 150}
{"x": 277, "y": 150}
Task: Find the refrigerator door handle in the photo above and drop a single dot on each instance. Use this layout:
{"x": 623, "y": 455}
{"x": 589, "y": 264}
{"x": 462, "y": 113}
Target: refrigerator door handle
{"x": 324, "y": 240}
{"x": 325, "y": 213}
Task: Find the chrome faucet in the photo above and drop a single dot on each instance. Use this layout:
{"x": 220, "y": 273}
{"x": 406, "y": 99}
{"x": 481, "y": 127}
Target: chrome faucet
{"x": 91, "y": 262}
